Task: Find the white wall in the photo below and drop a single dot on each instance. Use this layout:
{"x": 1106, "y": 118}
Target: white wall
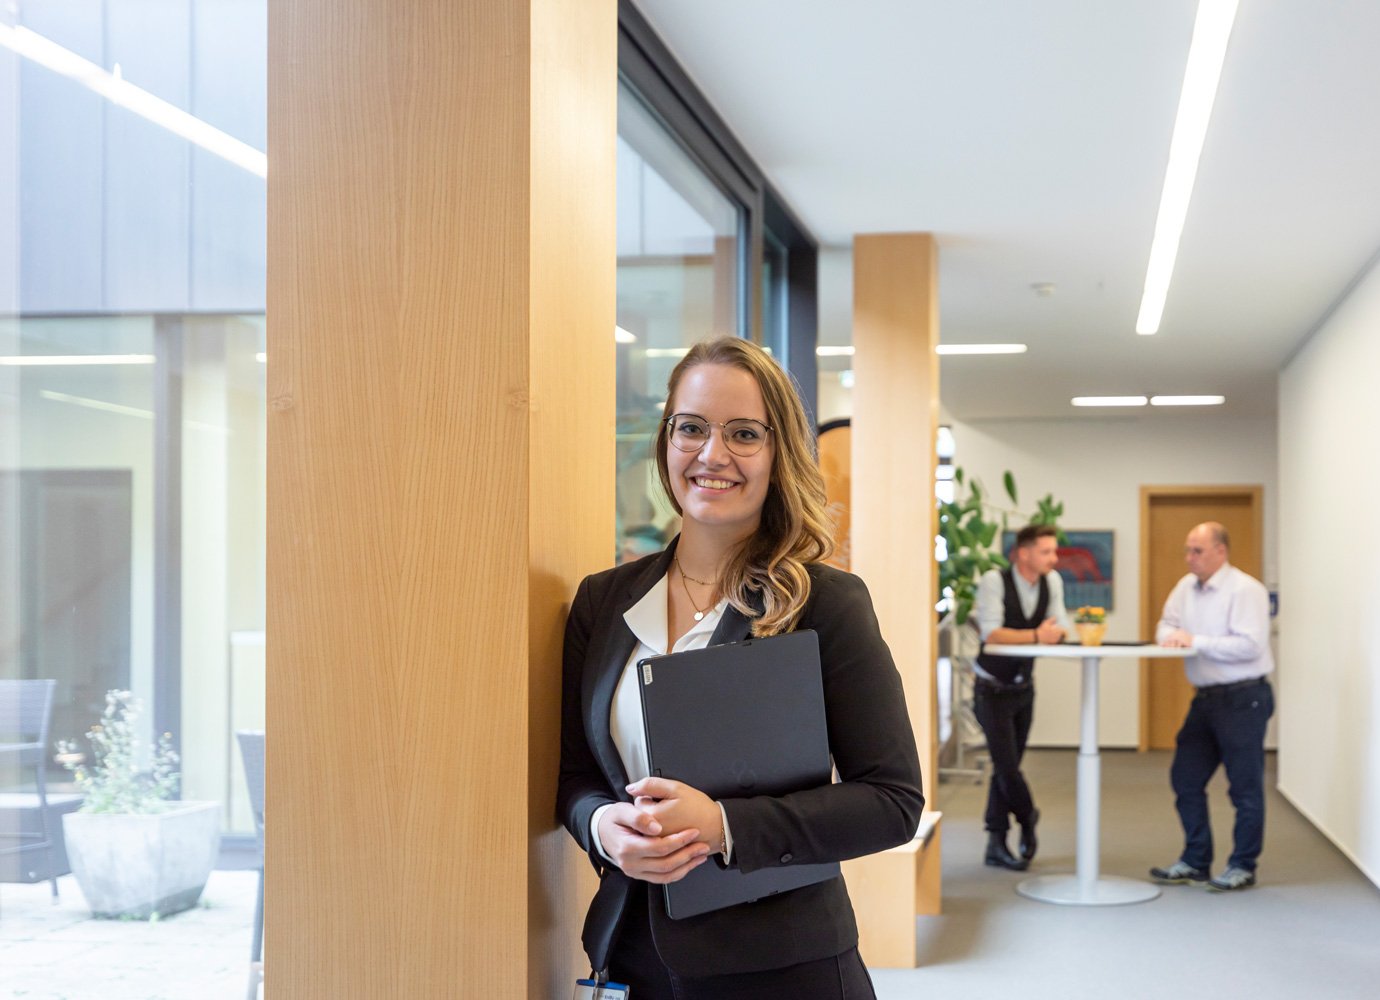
{"x": 1096, "y": 466}
{"x": 1329, "y": 412}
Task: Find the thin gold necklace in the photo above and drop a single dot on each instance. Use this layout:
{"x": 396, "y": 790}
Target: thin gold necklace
{"x": 699, "y": 615}
{"x": 681, "y": 570}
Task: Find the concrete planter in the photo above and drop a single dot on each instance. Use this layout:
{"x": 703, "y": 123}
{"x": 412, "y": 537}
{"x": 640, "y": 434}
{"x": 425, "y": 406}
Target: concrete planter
{"x": 133, "y": 867}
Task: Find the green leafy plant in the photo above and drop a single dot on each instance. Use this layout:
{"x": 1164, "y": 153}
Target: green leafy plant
{"x": 1090, "y": 615}
{"x": 971, "y": 527}
{"x": 116, "y": 781}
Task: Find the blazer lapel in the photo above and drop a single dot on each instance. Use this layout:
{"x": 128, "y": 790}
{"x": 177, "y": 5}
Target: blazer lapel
{"x": 601, "y": 682}
{"x": 735, "y": 626}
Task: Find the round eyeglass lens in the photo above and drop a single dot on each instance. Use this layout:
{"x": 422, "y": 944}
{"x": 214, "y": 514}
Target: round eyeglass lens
{"x": 744, "y": 436}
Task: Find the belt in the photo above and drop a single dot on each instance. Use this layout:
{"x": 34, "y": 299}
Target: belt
{"x": 1211, "y": 689}
{"x": 997, "y": 687}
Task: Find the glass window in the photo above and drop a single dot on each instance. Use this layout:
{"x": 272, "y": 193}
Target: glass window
{"x": 679, "y": 281}
{"x": 775, "y": 330}
{"x": 132, "y": 438}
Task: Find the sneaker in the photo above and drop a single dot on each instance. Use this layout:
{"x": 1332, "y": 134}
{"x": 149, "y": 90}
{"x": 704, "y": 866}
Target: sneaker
{"x": 1232, "y": 878}
{"x": 1180, "y": 874}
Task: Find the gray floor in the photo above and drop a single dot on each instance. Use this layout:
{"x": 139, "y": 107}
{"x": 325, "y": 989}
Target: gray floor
{"x": 57, "y": 952}
{"x": 1310, "y": 929}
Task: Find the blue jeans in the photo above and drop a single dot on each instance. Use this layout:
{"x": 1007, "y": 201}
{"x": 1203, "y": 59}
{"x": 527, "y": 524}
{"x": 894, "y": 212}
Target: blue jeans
{"x": 1227, "y": 728}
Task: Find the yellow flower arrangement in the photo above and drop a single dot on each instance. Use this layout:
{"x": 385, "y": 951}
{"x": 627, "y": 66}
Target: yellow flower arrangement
{"x": 1087, "y": 614}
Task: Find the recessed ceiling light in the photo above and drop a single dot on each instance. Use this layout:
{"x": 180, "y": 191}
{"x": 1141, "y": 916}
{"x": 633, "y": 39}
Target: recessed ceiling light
{"x": 1206, "y": 52}
{"x": 77, "y": 359}
{"x": 981, "y": 349}
{"x": 621, "y": 336}
{"x": 1109, "y": 401}
{"x": 834, "y": 351}
{"x": 1187, "y": 400}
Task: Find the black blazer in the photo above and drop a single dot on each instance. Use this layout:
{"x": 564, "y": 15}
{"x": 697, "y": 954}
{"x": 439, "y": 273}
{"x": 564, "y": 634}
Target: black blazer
{"x": 875, "y": 806}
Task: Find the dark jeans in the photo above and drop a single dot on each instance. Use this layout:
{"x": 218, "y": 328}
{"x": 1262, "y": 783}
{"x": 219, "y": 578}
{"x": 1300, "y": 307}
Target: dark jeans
{"x": 1228, "y": 728}
{"x": 1005, "y": 717}
{"x": 635, "y": 962}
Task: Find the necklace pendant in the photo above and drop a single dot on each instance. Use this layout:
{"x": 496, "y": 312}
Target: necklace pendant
{"x": 699, "y": 616}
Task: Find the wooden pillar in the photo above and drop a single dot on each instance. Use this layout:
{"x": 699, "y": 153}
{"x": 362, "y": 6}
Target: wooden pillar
{"x": 895, "y": 421}
{"x": 894, "y": 425}
{"x": 441, "y": 268}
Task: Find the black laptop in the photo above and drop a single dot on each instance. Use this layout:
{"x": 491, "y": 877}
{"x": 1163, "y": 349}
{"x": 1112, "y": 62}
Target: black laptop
{"x": 735, "y": 721}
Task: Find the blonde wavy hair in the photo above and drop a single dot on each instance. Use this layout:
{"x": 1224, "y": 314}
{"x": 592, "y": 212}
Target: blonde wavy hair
{"x": 795, "y": 529}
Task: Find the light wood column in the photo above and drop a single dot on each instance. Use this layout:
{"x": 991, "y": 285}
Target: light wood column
{"x": 895, "y": 422}
{"x": 441, "y": 308}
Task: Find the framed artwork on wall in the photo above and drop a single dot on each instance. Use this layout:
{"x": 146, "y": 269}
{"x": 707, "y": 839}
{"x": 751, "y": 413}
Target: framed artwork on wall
{"x": 1085, "y": 566}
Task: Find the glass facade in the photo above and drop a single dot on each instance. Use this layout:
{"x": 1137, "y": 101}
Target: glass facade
{"x": 680, "y": 280}
{"x": 132, "y": 376}
{"x": 132, "y": 394}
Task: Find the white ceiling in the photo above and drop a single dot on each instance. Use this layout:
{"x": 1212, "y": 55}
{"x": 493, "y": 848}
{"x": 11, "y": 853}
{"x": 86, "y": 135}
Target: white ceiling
{"x": 1031, "y": 137}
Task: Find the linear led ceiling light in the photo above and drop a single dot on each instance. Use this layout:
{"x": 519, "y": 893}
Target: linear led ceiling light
{"x": 1187, "y": 400}
{"x": 621, "y": 336}
{"x": 834, "y": 351}
{"x": 980, "y": 349}
{"x": 1109, "y": 400}
{"x": 77, "y": 359}
{"x": 114, "y": 88}
{"x": 1208, "y": 49}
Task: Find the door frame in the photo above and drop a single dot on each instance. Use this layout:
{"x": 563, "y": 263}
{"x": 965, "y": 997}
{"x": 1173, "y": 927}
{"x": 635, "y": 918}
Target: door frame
{"x": 1149, "y": 614}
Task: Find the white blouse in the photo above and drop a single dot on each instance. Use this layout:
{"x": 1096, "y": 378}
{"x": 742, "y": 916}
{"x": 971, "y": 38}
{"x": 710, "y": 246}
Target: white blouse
{"x": 648, "y": 622}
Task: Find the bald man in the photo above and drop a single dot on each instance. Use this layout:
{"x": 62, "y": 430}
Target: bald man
{"x": 1221, "y": 617}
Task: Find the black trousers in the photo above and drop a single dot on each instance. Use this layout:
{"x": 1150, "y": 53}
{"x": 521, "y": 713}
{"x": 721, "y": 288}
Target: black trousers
{"x": 1005, "y": 717}
{"x": 635, "y": 962}
{"x": 1225, "y": 727}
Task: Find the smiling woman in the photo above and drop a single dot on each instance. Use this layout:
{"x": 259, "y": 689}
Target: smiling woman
{"x": 723, "y": 494}
{"x": 735, "y": 454}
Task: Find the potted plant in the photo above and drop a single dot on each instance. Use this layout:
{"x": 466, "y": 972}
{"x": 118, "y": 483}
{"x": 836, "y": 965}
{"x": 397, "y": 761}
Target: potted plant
{"x": 136, "y": 851}
{"x": 1091, "y": 623}
{"x": 971, "y": 528}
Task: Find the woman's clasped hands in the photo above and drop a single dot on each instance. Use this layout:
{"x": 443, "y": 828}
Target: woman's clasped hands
{"x": 666, "y": 832}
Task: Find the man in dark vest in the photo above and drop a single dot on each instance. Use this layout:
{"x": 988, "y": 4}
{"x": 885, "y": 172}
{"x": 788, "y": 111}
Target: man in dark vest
{"x": 1021, "y": 605}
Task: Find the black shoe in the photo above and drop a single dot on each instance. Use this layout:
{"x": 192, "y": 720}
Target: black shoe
{"x": 1029, "y": 844}
{"x": 1179, "y": 874}
{"x": 999, "y": 857}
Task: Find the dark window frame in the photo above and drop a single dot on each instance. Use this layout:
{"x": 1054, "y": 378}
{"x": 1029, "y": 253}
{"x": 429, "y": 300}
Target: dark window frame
{"x": 649, "y": 68}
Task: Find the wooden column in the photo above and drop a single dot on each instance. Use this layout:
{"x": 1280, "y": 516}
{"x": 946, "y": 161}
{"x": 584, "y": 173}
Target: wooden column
{"x": 894, "y": 424}
{"x": 895, "y": 421}
{"x": 441, "y": 308}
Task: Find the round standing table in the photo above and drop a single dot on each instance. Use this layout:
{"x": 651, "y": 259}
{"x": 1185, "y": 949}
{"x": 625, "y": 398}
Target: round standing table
{"x": 1087, "y": 887}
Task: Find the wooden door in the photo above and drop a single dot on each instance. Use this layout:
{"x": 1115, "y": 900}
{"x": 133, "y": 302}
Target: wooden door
{"x": 1167, "y": 515}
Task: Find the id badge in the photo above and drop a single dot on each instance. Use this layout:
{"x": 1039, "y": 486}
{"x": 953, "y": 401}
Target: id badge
{"x": 588, "y": 989}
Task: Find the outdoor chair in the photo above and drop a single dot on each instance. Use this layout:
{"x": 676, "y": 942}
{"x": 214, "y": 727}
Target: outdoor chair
{"x": 252, "y": 752}
{"x": 26, "y": 708}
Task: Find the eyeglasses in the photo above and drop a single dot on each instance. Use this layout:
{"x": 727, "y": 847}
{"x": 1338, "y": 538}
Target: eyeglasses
{"x": 744, "y": 436}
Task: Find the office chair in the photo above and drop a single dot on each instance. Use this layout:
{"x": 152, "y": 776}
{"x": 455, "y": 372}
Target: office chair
{"x": 26, "y": 708}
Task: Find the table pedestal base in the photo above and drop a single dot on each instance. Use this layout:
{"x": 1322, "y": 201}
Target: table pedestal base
{"x": 1108, "y": 890}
